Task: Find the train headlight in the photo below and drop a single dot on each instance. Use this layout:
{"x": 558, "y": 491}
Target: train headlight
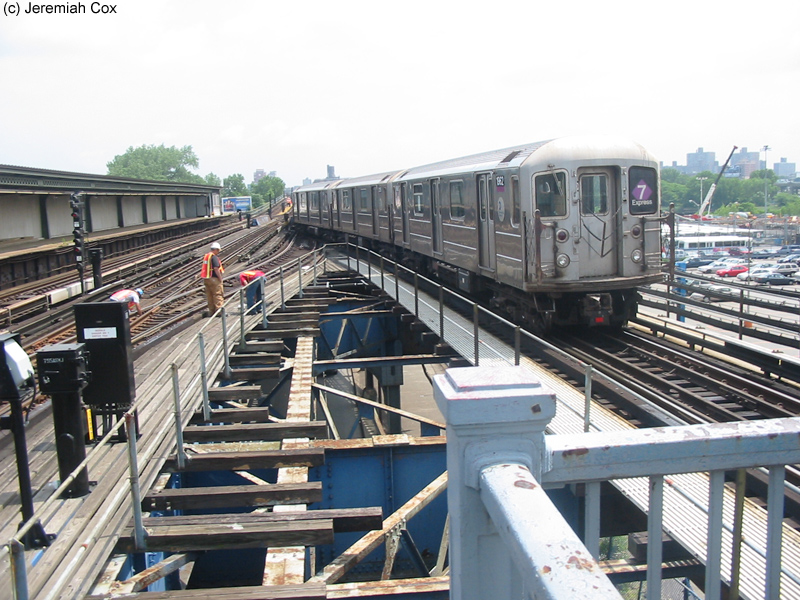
{"x": 637, "y": 255}
{"x": 636, "y": 231}
{"x": 562, "y": 235}
{"x": 562, "y": 260}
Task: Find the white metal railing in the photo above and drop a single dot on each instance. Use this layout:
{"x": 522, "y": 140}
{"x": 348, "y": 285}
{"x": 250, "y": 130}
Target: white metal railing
{"x": 499, "y": 458}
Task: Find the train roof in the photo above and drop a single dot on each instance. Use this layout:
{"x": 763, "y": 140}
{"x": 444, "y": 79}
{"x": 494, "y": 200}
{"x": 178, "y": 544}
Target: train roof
{"x": 327, "y": 184}
{"x": 599, "y": 148}
{"x": 505, "y": 157}
{"x": 559, "y": 151}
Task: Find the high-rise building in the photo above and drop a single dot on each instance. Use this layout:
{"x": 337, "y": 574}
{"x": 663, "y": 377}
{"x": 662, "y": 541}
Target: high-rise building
{"x": 258, "y": 175}
{"x": 784, "y": 169}
{"x": 746, "y": 161}
{"x": 697, "y": 162}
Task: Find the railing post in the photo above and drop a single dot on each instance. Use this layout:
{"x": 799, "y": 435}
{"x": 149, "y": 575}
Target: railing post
{"x": 283, "y": 296}
{"x": 654, "y": 527}
{"x": 136, "y": 496}
{"x": 496, "y": 418}
{"x": 441, "y": 314}
{"x": 263, "y": 285}
{"x": 19, "y": 572}
{"x": 300, "y": 277}
{"x": 416, "y": 294}
{"x": 475, "y": 333}
{"x": 176, "y": 395}
{"x": 225, "y": 349}
{"x": 204, "y": 377}
{"x": 397, "y": 281}
{"x": 314, "y": 263}
{"x": 383, "y": 288}
{"x": 517, "y": 344}
{"x": 587, "y": 397}
{"x": 240, "y": 345}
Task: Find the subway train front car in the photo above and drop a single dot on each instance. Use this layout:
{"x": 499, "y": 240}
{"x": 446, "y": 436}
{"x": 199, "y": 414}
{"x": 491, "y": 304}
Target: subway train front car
{"x": 554, "y": 233}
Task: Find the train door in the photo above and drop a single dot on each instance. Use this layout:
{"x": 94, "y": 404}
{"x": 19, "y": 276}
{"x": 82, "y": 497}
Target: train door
{"x": 375, "y": 210}
{"x": 598, "y": 207}
{"x": 486, "y": 256}
{"x": 405, "y": 209}
{"x": 436, "y": 217}
{"x": 336, "y": 219}
{"x": 323, "y": 208}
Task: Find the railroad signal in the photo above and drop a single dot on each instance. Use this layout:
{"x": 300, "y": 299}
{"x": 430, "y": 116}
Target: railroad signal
{"x": 76, "y": 205}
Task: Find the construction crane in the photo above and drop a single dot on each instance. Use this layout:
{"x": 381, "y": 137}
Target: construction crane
{"x": 706, "y": 205}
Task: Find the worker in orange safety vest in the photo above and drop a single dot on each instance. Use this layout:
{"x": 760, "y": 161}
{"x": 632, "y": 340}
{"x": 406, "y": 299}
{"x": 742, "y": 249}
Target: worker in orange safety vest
{"x": 211, "y": 274}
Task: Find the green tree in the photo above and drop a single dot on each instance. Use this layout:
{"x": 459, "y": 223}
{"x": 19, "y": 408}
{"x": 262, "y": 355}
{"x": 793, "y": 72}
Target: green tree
{"x": 157, "y": 163}
{"x": 267, "y": 189}
{"x": 234, "y": 185}
{"x": 212, "y": 179}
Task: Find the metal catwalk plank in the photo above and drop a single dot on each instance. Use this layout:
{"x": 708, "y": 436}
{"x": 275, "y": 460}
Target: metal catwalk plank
{"x": 685, "y": 514}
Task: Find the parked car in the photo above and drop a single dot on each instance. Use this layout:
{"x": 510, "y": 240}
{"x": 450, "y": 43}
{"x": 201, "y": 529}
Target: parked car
{"x": 713, "y": 293}
{"x": 764, "y": 252}
{"x": 697, "y": 261}
{"x": 774, "y": 279}
{"x": 791, "y": 258}
{"x": 731, "y": 271}
{"x": 787, "y": 269}
{"x": 748, "y": 275}
{"x": 717, "y": 264}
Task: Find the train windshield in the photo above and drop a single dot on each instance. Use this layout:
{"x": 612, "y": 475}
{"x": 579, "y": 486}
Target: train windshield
{"x": 594, "y": 194}
{"x": 551, "y": 194}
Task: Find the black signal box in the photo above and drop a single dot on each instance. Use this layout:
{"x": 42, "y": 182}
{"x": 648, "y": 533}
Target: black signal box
{"x": 62, "y": 368}
{"x": 104, "y": 328}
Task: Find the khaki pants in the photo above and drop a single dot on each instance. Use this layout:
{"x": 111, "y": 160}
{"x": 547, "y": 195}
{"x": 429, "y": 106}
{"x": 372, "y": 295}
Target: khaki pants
{"x": 214, "y": 295}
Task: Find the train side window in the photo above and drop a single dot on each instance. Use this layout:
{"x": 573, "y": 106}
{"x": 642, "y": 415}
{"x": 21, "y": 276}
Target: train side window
{"x": 419, "y": 203}
{"x": 382, "y": 204}
{"x": 457, "y": 209}
{"x": 314, "y": 200}
{"x": 594, "y": 194}
{"x": 363, "y": 200}
{"x": 643, "y": 186}
{"x": 346, "y": 203}
{"x": 515, "y": 202}
{"x": 303, "y": 202}
{"x": 551, "y": 194}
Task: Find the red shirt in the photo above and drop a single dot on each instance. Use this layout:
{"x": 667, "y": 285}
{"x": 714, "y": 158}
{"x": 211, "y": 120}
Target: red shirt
{"x": 246, "y": 277}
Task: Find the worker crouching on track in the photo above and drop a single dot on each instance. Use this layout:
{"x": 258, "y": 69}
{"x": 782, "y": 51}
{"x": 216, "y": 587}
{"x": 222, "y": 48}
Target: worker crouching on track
{"x": 211, "y": 274}
{"x": 253, "y": 291}
{"x": 132, "y": 298}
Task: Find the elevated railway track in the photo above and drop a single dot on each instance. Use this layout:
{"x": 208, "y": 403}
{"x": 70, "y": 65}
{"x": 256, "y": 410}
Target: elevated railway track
{"x": 618, "y": 356}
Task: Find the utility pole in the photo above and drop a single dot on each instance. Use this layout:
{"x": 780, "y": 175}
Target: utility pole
{"x": 766, "y": 181}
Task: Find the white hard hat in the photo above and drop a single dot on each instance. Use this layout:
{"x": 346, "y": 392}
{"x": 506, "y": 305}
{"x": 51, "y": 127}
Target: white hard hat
{"x": 215, "y": 246}
{"x": 139, "y": 291}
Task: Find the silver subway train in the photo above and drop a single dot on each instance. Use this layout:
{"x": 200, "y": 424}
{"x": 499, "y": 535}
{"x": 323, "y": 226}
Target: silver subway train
{"x": 554, "y": 233}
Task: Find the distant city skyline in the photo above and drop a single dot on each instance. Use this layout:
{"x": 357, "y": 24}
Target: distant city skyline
{"x": 743, "y": 163}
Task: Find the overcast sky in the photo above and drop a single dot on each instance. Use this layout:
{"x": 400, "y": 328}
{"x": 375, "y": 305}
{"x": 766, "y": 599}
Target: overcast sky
{"x": 371, "y": 86}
